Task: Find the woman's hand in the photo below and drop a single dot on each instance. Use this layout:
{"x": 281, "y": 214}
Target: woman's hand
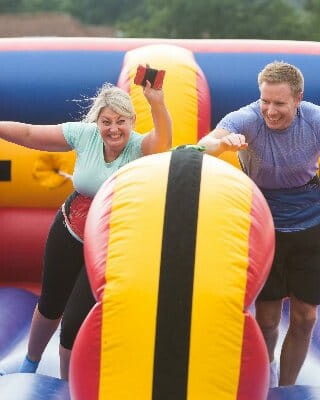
{"x": 153, "y": 96}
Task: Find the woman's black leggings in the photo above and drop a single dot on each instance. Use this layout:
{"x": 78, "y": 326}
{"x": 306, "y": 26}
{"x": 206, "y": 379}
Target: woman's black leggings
{"x": 65, "y": 286}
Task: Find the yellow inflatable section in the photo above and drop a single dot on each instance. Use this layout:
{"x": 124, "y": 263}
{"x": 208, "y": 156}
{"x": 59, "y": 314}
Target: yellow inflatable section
{"x": 35, "y": 178}
{"x": 186, "y": 90}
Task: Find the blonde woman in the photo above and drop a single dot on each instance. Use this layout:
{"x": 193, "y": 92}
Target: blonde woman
{"x": 103, "y": 142}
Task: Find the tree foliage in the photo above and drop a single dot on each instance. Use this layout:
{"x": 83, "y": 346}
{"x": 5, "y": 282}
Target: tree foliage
{"x": 256, "y": 19}
{"x": 262, "y": 19}
{"x": 98, "y": 12}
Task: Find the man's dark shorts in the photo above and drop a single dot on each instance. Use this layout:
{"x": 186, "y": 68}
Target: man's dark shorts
{"x": 296, "y": 267}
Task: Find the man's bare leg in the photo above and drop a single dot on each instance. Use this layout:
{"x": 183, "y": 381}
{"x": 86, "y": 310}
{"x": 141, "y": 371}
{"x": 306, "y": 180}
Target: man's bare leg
{"x": 303, "y": 317}
{"x": 268, "y": 315}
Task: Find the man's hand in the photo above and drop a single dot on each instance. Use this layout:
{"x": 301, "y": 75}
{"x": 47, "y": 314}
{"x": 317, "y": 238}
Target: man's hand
{"x": 233, "y": 142}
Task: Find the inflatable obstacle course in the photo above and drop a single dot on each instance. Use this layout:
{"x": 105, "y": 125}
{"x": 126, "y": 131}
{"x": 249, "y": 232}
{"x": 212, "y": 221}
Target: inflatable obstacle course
{"x": 49, "y": 80}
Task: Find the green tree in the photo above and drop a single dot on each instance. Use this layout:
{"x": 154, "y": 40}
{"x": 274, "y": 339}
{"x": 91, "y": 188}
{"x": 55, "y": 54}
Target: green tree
{"x": 98, "y": 12}
{"x": 252, "y": 19}
{"x": 312, "y": 8}
{"x": 10, "y": 6}
{"x": 262, "y": 19}
{"x": 24, "y": 6}
{"x": 271, "y": 20}
{"x": 43, "y": 5}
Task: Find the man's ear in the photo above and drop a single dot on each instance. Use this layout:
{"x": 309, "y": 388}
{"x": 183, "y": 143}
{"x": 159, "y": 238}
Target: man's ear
{"x": 298, "y": 99}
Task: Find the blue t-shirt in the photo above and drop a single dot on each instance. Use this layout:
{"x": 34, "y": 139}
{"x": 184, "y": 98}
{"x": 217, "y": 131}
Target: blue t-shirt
{"x": 282, "y": 162}
{"x": 90, "y": 169}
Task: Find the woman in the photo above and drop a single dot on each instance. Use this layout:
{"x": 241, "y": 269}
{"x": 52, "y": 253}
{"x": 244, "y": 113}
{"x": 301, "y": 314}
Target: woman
{"x": 103, "y": 142}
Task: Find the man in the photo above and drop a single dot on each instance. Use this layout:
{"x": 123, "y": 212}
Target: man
{"x": 278, "y": 139}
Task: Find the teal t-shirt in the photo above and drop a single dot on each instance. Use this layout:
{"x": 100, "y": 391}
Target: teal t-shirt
{"x": 90, "y": 169}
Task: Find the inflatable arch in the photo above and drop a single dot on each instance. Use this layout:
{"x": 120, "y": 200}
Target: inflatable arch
{"x": 48, "y": 81}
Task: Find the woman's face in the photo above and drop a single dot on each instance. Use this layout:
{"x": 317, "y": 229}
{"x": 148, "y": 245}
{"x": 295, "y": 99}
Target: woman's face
{"x": 115, "y": 129}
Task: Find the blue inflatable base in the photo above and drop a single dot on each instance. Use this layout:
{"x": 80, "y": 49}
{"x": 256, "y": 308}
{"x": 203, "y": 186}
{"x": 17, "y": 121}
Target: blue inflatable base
{"x": 296, "y": 392}
{"x": 16, "y": 309}
{"x": 33, "y": 387}
{"x": 41, "y": 387}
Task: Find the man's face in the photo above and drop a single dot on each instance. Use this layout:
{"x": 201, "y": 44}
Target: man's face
{"x": 278, "y": 105}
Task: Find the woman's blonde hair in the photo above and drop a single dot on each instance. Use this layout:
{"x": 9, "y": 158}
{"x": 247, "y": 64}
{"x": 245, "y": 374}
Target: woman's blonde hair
{"x": 281, "y": 72}
{"x": 112, "y": 97}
